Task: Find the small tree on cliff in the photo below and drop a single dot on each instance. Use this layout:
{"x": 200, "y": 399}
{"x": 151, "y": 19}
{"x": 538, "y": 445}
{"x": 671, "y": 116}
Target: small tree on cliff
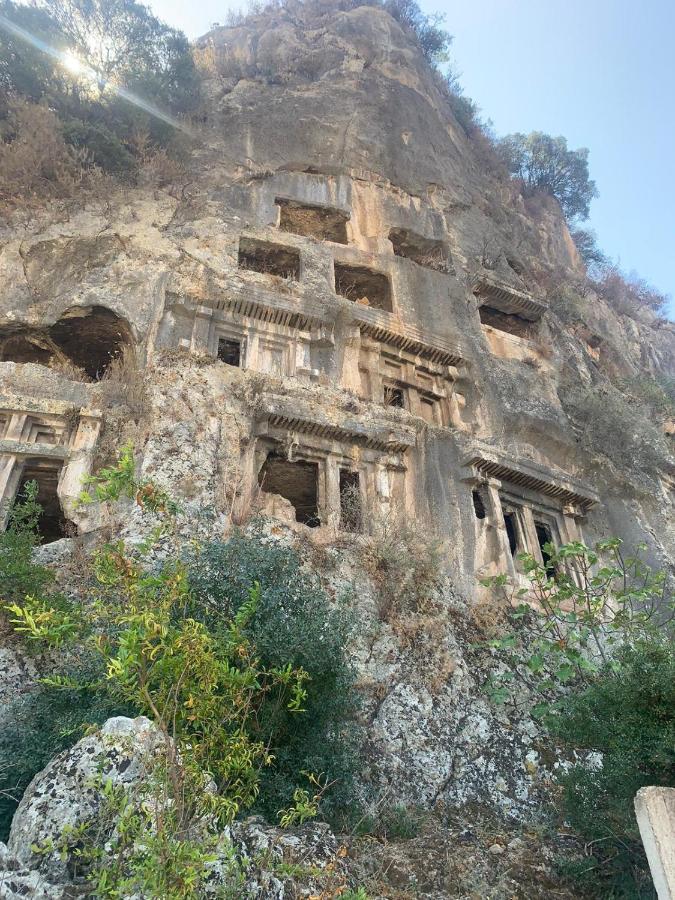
{"x": 545, "y": 163}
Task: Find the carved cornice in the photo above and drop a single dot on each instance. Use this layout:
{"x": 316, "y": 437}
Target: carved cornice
{"x": 379, "y": 436}
{"x": 507, "y": 299}
{"x": 526, "y": 473}
{"x": 306, "y": 314}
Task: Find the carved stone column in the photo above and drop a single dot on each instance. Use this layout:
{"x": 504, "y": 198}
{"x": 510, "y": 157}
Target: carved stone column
{"x": 201, "y": 331}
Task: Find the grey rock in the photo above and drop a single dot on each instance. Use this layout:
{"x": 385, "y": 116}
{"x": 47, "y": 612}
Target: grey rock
{"x": 68, "y": 792}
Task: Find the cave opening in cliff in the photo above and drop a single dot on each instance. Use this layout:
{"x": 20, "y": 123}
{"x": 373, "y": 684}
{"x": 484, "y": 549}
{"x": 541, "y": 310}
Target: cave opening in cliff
{"x": 52, "y": 524}
{"x": 507, "y": 322}
{"x": 363, "y": 286}
{"x": 511, "y": 531}
{"x": 544, "y": 539}
{"x": 351, "y": 518}
{"x": 269, "y": 259}
{"x": 229, "y": 352}
{"x": 296, "y": 481}
{"x": 91, "y": 337}
{"x": 478, "y": 505}
{"x": 321, "y": 222}
{"x": 427, "y": 252}
{"x": 31, "y": 347}
{"x": 86, "y": 338}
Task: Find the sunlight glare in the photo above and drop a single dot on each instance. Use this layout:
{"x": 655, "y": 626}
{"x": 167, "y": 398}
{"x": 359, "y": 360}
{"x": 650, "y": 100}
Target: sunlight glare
{"x": 73, "y": 64}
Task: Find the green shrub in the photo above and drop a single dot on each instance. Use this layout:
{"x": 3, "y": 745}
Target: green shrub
{"x": 104, "y": 147}
{"x": 293, "y": 624}
{"x": 591, "y": 644}
{"x": 544, "y": 163}
{"x": 19, "y": 574}
{"x": 628, "y": 716}
{"x": 39, "y": 725}
{"x": 131, "y": 55}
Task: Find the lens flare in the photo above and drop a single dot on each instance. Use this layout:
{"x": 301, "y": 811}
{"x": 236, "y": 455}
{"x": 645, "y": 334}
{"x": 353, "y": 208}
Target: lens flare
{"x": 73, "y": 64}
{"x": 79, "y": 69}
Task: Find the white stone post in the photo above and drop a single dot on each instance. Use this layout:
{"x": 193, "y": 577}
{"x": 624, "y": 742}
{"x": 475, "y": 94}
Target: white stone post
{"x": 655, "y": 813}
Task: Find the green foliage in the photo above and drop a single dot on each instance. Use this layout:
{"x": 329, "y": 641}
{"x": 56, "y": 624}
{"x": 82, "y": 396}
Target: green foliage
{"x": 50, "y": 620}
{"x": 104, "y": 148}
{"x": 292, "y": 624}
{"x": 434, "y": 41}
{"x": 305, "y": 806}
{"x": 592, "y": 644}
{"x": 579, "y": 607}
{"x": 545, "y": 163}
{"x": 586, "y": 242}
{"x": 628, "y": 715}
{"x": 219, "y": 666}
{"x": 19, "y": 574}
{"x": 123, "y": 47}
{"x": 42, "y": 723}
{"x": 628, "y": 294}
{"x": 149, "y": 852}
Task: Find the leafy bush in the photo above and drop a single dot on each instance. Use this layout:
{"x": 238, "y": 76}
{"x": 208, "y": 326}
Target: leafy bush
{"x": 628, "y": 716}
{"x": 628, "y": 294}
{"x": 104, "y": 148}
{"x": 433, "y": 40}
{"x": 41, "y": 724}
{"x": 545, "y": 163}
{"x": 293, "y": 624}
{"x": 117, "y": 48}
{"x": 220, "y": 673}
{"x": 586, "y": 243}
{"x": 19, "y": 574}
{"x": 590, "y": 641}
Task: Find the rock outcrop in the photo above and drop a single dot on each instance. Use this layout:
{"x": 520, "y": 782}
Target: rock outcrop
{"x": 343, "y": 316}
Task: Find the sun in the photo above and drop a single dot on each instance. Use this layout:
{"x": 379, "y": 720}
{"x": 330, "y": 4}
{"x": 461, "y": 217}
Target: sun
{"x": 73, "y": 64}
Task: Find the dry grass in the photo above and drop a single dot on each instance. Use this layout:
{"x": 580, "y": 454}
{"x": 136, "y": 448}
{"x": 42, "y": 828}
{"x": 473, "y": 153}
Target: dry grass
{"x": 36, "y": 164}
{"x": 124, "y": 399}
{"x": 68, "y": 369}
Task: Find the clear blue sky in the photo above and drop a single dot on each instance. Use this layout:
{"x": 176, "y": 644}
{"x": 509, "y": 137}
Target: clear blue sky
{"x": 599, "y": 72}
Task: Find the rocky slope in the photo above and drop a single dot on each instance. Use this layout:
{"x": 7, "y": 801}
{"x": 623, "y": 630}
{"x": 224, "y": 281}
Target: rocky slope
{"x": 320, "y": 107}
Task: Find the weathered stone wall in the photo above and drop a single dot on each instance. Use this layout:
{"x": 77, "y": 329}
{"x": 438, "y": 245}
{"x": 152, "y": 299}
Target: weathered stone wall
{"x": 342, "y": 113}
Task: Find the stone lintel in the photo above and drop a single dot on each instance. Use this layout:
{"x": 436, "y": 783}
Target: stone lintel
{"x": 507, "y": 299}
{"x": 44, "y": 451}
{"x": 20, "y": 403}
{"x": 382, "y": 438}
{"x": 532, "y": 475}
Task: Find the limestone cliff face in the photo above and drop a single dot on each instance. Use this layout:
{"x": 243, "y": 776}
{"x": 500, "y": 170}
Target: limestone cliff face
{"x": 340, "y": 297}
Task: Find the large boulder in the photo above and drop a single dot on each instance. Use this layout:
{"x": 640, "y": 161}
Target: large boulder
{"x": 63, "y": 810}
{"x": 68, "y": 794}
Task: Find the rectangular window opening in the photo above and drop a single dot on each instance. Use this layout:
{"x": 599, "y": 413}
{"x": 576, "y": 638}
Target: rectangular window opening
{"x": 268, "y": 258}
{"x": 363, "y": 286}
{"x": 351, "y": 518}
{"x": 512, "y": 531}
{"x": 394, "y": 396}
{"x": 321, "y": 222}
{"x": 545, "y": 541}
{"x": 427, "y": 252}
{"x": 52, "y": 524}
{"x": 229, "y": 352}
{"x": 428, "y": 407}
{"x": 296, "y": 481}
{"x": 478, "y": 504}
{"x": 507, "y": 322}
